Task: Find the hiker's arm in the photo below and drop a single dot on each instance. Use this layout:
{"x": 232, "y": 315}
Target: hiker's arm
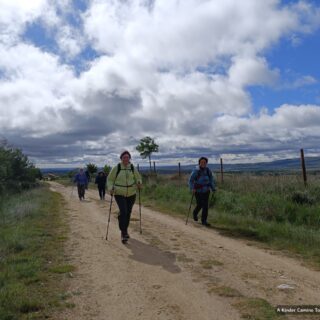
{"x": 111, "y": 178}
{"x": 212, "y": 182}
{"x": 137, "y": 177}
{"x": 191, "y": 180}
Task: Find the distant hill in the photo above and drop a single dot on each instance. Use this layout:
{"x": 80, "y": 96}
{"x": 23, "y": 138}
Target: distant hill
{"x": 312, "y": 164}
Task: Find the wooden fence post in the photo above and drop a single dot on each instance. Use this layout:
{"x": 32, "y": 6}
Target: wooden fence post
{"x": 179, "y": 168}
{"x": 303, "y": 166}
{"x": 154, "y": 167}
{"x": 221, "y": 170}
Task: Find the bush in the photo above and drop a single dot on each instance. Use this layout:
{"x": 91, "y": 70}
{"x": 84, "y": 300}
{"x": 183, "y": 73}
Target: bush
{"x": 17, "y": 173}
{"x": 300, "y": 197}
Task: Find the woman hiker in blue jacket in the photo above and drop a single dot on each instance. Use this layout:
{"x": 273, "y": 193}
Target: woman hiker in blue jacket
{"x": 201, "y": 182}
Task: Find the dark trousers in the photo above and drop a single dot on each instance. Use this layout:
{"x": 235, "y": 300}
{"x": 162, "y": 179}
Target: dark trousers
{"x": 202, "y": 203}
{"x": 125, "y": 205}
{"x": 81, "y": 190}
{"x": 102, "y": 191}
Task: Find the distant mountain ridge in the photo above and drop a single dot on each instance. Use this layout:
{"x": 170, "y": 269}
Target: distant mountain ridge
{"x": 312, "y": 164}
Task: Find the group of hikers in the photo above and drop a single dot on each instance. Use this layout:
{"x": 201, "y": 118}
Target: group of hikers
{"x": 124, "y": 180}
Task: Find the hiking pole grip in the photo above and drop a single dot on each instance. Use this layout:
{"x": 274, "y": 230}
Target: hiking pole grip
{"x": 189, "y": 208}
{"x": 109, "y": 217}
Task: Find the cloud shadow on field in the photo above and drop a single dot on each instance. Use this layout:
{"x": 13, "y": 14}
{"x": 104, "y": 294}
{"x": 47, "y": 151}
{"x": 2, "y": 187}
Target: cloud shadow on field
{"x": 153, "y": 256}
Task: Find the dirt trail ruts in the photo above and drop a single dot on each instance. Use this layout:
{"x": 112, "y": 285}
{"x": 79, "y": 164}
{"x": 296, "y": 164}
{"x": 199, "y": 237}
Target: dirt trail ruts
{"x": 171, "y": 271}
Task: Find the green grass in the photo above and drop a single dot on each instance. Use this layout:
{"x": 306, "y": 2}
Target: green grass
{"x": 62, "y": 269}
{"x": 32, "y": 233}
{"x": 276, "y": 210}
{"x": 224, "y": 291}
{"x": 256, "y": 309}
{"x": 208, "y": 264}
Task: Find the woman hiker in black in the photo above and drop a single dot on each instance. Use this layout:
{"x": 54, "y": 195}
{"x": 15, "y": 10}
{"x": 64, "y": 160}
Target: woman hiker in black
{"x": 101, "y": 180}
{"x": 200, "y": 182}
{"x": 123, "y": 181}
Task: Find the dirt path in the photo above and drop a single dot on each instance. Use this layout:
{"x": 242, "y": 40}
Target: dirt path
{"x": 171, "y": 271}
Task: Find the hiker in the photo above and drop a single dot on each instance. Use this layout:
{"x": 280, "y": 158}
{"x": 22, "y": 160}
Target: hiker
{"x": 100, "y": 181}
{"x": 88, "y": 178}
{"x": 81, "y": 180}
{"x": 123, "y": 182}
{"x": 200, "y": 182}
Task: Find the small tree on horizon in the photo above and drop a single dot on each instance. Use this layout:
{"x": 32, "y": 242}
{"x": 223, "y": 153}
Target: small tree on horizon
{"x": 146, "y": 147}
{"x": 106, "y": 169}
{"x": 92, "y": 168}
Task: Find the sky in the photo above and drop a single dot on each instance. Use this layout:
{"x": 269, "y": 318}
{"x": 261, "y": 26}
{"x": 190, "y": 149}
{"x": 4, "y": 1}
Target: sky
{"x": 81, "y": 81}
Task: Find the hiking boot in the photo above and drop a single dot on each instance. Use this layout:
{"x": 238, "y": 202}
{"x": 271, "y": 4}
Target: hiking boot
{"x": 124, "y": 239}
{"x": 127, "y": 236}
{"x": 206, "y": 224}
{"x": 195, "y": 217}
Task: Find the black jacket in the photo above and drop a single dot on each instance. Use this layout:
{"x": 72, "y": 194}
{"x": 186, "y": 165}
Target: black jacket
{"x": 101, "y": 181}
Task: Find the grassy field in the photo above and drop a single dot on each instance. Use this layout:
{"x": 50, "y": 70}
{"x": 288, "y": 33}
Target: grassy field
{"x": 32, "y": 235}
{"x": 274, "y": 209}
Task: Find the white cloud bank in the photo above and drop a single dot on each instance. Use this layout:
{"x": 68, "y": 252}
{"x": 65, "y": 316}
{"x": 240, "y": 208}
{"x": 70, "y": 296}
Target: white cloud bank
{"x": 175, "y": 70}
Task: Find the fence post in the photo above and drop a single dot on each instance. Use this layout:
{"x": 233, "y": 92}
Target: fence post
{"x": 303, "y": 165}
{"x": 154, "y": 167}
{"x": 179, "y": 168}
{"x": 221, "y": 170}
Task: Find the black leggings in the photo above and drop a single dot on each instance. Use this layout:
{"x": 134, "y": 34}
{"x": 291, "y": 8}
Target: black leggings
{"x": 125, "y": 205}
{"x": 202, "y": 203}
{"x": 81, "y": 190}
{"x": 102, "y": 191}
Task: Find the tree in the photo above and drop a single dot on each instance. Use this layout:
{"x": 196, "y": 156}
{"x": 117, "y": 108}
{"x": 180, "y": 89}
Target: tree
{"x": 106, "y": 169}
{"x": 16, "y": 171}
{"x": 92, "y": 168}
{"x": 146, "y": 147}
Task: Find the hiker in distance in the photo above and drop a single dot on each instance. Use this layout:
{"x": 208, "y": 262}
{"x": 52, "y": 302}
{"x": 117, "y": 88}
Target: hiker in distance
{"x": 201, "y": 181}
{"x": 82, "y": 181}
{"x": 101, "y": 180}
{"x": 123, "y": 182}
{"x": 88, "y": 178}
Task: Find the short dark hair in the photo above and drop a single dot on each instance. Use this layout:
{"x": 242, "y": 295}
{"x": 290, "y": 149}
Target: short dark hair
{"x": 125, "y": 152}
{"x": 203, "y": 158}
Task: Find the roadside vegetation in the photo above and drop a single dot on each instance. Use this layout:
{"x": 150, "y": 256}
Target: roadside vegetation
{"x": 32, "y": 236}
{"x": 274, "y": 209}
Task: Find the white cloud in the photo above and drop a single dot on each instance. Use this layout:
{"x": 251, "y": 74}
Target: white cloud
{"x": 15, "y": 14}
{"x": 148, "y": 79}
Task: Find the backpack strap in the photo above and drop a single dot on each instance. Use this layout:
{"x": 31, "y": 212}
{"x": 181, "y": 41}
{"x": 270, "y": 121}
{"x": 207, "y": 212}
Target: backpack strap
{"x": 119, "y": 169}
{"x": 199, "y": 173}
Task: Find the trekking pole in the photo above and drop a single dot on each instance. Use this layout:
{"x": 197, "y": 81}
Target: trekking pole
{"x": 109, "y": 216}
{"x": 71, "y": 192}
{"x": 189, "y": 208}
{"x": 211, "y": 200}
{"x": 140, "y": 209}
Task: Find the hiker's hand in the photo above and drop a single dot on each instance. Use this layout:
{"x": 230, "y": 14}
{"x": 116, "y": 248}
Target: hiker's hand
{"x": 193, "y": 191}
{"x": 139, "y": 186}
{"x": 111, "y": 192}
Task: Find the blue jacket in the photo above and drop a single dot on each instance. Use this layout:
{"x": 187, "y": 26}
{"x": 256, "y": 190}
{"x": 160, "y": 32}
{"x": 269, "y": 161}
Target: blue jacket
{"x": 80, "y": 179}
{"x": 201, "y": 180}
